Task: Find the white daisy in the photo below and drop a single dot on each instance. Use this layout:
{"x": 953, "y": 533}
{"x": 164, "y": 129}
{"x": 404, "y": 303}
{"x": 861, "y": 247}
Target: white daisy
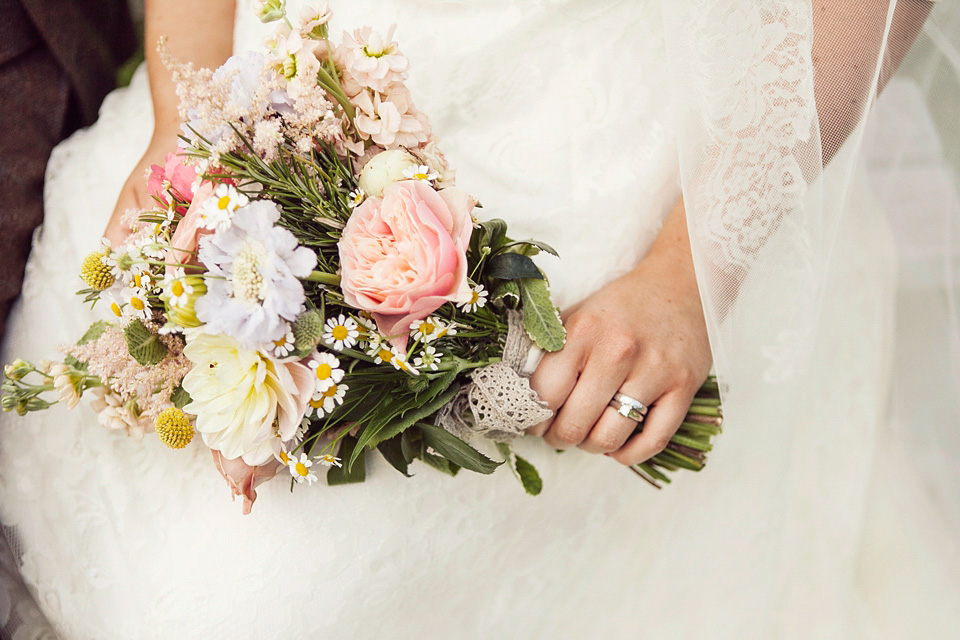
{"x": 300, "y": 468}
{"x": 135, "y": 304}
{"x": 115, "y": 303}
{"x": 430, "y": 359}
{"x": 478, "y": 299}
{"x": 324, "y": 402}
{"x": 283, "y": 346}
{"x": 328, "y": 460}
{"x": 429, "y": 329}
{"x": 341, "y": 332}
{"x": 401, "y": 363}
{"x": 326, "y": 368}
{"x": 357, "y": 196}
{"x": 217, "y": 211}
{"x": 177, "y": 288}
{"x": 420, "y": 172}
{"x": 381, "y": 352}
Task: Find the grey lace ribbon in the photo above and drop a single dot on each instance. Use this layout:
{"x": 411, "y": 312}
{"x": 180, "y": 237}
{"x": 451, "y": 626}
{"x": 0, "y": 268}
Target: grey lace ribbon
{"x": 498, "y": 402}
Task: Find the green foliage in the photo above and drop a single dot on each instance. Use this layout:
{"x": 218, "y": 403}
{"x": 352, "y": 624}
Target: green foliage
{"x": 348, "y": 474}
{"x": 144, "y": 346}
{"x": 525, "y": 472}
{"x": 180, "y": 398}
{"x": 512, "y": 266}
{"x": 507, "y": 293}
{"x": 94, "y": 332}
{"x": 456, "y": 450}
{"x": 540, "y": 318}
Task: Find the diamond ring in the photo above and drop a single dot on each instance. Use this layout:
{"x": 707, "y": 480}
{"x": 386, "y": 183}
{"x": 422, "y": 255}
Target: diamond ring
{"x": 629, "y": 407}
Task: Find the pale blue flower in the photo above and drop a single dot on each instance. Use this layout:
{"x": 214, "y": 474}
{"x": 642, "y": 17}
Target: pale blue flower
{"x": 255, "y": 290}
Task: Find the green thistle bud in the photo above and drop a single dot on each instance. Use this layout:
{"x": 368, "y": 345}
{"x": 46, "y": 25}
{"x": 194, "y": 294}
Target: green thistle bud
{"x": 307, "y": 330}
{"x": 95, "y": 272}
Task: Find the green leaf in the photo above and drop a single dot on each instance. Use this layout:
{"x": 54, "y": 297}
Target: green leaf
{"x": 494, "y": 232}
{"x": 94, "y": 332}
{"x": 441, "y": 464}
{"x": 540, "y": 318}
{"x": 511, "y": 266}
{"x": 144, "y": 346}
{"x": 180, "y": 398}
{"x": 392, "y": 451}
{"x": 532, "y": 483}
{"x": 456, "y": 450}
{"x": 380, "y": 430}
{"x": 348, "y": 473}
{"x": 508, "y": 292}
{"x": 531, "y": 247}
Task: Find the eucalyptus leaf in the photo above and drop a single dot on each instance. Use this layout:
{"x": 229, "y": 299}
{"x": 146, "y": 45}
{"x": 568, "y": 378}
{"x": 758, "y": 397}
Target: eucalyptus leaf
{"x": 456, "y": 450}
{"x": 512, "y": 266}
{"x": 353, "y": 471}
{"x": 540, "y": 318}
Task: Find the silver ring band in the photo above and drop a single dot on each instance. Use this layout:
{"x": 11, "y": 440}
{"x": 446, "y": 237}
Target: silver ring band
{"x": 629, "y": 407}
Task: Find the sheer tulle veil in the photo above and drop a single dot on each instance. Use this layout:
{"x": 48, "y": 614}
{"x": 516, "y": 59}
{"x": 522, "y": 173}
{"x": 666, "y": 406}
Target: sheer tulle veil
{"x": 791, "y": 174}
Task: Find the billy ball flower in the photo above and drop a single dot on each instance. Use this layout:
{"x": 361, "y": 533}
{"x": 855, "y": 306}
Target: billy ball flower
{"x": 326, "y": 370}
{"x": 341, "y": 332}
{"x": 95, "y": 271}
{"x": 173, "y": 428}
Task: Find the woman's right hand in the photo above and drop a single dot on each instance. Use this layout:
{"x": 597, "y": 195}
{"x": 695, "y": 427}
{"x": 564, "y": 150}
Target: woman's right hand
{"x": 134, "y": 194}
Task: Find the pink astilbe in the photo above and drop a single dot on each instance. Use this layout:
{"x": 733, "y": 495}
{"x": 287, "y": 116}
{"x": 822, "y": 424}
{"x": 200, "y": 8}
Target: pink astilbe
{"x": 151, "y": 387}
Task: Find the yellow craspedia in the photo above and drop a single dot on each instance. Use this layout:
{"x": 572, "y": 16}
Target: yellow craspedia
{"x": 95, "y": 272}
{"x": 173, "y": 428}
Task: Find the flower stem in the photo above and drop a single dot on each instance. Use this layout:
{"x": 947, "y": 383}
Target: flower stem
{"x": 324, "y": 278}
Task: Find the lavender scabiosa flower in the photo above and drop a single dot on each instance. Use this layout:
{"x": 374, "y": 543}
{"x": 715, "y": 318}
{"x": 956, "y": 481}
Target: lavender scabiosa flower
{"x": 254, "y": 292}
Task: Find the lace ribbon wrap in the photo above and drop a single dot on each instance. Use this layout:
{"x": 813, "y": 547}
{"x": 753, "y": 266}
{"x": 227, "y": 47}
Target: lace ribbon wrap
{"x": 498, "y": 402}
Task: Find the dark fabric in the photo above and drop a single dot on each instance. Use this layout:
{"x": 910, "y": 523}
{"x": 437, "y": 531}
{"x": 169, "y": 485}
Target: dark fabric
{"x": 90, "y": 39}
{"x": 58, "y": 59}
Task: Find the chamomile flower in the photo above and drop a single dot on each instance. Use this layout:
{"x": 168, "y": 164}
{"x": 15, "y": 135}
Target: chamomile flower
{"x": 429, "y": 359}
{"x": 357, "y": 196}
{"x": 326, "y": 368}
{"x": 381, "y": 352}
{"x": 114, "y": 303}
{"x": 217, "y": 211}
{"x": 420, "y": 172}
{"x": 135, "y": 304}
{"x": 300, "y": 468}
{"x": 429, "y": 329}
{"x": 323, "y": 403}
{"x": 142, "y": 281}
{"x": 328, "y": 460}
{"x": 478, "y": 299}
{"x": 341, "y": 332}
{"x": 401, "y": 363}
{"x": 177, "y": 288}
{"x": 284, "y": 345}
{"x": 120, "y": 263}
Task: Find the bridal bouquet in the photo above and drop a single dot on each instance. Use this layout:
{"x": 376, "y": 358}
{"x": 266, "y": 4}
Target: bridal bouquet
{"x": 310, "y": 285}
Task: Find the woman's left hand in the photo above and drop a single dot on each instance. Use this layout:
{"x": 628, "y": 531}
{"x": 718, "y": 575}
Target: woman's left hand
{"x": 642, "y": 335}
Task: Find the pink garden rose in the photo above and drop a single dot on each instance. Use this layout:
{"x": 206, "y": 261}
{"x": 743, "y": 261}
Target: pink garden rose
{"x": 180, "y": 175}
{"x": 404, "y": 254}
{"x": 242, "y": 478}
{"x": 188, "y": 231}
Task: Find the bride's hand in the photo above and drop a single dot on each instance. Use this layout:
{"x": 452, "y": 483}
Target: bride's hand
{"x": 134, "y": 194}
{"x": 643, "y": 335}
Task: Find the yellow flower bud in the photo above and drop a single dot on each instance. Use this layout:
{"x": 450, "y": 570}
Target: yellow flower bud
{"x": 173, "y": 428}
{"x": 95, "y": 272}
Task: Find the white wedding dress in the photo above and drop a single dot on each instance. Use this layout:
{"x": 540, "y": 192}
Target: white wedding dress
{"x": 556, "y": 115}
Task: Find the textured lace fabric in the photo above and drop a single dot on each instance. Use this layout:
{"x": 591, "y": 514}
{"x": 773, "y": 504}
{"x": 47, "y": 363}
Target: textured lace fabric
{"x": 555, "y": 114}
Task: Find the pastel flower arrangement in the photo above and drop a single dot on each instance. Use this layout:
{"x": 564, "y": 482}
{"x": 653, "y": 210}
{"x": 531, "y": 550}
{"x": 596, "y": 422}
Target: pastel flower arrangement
{"x": 310, "y": 285}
